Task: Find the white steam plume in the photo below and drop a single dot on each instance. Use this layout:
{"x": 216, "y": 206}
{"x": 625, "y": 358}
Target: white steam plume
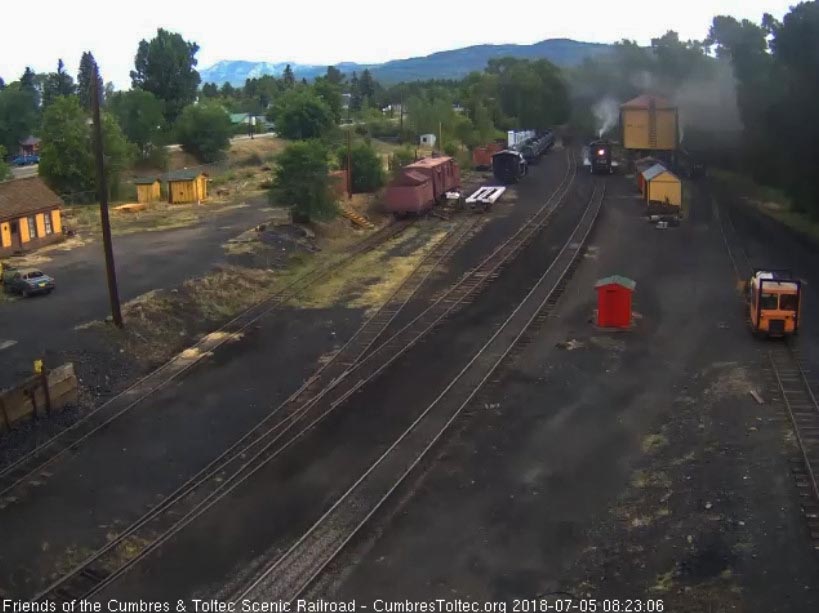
{"x": 607, "y": 113}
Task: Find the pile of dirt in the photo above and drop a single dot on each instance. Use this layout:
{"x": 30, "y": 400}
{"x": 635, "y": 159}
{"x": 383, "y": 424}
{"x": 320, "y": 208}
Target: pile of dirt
{"x": 160, "y": 323}
{"x": 271, "y": 245}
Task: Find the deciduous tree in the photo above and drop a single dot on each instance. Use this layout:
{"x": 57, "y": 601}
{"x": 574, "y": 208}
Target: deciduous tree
{"x": 5, "y": 173}
{"x": 303, "y": 181}
{"x": 166, "y": 67}
{"x": 368, "y": 171}
{"x": 66, "y": 155}
{"x": 204, "y": 130}
{"x": 18, "y": 115}
{"x": 300, "y": 113}
{"x": 140, "y": 115}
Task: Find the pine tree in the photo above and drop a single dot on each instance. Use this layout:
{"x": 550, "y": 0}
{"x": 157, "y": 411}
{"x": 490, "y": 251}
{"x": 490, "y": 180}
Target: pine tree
{"x": 28, "y": 82}
{"x": 288, "y": 77}
{"x": 84, "y": 79}
{"x": 355, "y": 93}
{"x": 57, "y": 84}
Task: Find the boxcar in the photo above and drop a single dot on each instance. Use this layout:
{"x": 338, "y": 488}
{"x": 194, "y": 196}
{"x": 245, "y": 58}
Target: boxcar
{"x": 443, "y": 171}
{"x": 409, "y": 192}
{"x": 421, "y": 184}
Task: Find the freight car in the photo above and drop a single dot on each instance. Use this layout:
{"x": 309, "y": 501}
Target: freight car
{"x": 509, "y": 166}
{"x": 482, "y": 156}
{"x": 420, "y": 185}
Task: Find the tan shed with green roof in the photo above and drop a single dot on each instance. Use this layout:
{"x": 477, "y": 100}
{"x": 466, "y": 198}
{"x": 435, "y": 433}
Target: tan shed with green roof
{"x": 148, "y": 189}
{"x": 187, "y": 186}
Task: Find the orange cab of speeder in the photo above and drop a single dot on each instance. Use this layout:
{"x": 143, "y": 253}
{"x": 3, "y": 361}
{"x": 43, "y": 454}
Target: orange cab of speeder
{"x": 774, "y": 303}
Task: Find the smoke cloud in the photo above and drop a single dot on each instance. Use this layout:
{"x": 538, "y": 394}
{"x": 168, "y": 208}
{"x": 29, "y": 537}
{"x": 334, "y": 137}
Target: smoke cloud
{"x": 607, "y": 113}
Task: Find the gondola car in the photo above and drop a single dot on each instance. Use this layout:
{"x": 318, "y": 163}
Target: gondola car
{"x": 509, "y": 166}
{"x": 774, "y": 303}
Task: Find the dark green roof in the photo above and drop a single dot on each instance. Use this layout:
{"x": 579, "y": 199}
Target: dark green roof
{"x": 617, "y": 280}
{"x": 145, "y": 180}
{"x": 184, "y": 175}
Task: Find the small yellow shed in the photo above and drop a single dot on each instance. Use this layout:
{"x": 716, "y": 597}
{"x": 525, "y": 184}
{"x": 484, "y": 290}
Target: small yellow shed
{"x": 662, "y": 186}
{"x": 187, "y": 186}
{"x": 148, "y": 189}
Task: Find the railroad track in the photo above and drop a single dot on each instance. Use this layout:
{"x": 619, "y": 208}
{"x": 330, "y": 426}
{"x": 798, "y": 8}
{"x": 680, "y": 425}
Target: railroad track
{"x": 33, "y": 465}
{"x": 293, "y": 572}
{"x": 98, "y": 569}
{"x": 322, "y": 394}
{"x": 803, "y": 411}
{"x": 795, "y": 389}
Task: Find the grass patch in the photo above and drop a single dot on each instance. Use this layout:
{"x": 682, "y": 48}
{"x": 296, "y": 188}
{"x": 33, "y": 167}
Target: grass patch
{"x": 654, "y": 442}
{"x": 84, "y": 220}
{"x": 369, "y": 279}
{"x": 769, "y": 201}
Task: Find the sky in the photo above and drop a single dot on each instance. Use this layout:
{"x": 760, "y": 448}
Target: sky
{"x": 323, "y": 32}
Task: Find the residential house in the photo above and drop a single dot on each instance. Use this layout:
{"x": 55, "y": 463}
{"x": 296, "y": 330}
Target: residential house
{"x": 30, "y": 146}
{"x": 30, "y": 215}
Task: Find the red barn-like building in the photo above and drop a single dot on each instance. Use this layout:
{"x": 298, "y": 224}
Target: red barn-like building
{"x": 614, "y": 298}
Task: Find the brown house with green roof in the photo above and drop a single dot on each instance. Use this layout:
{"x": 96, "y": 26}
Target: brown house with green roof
{"x": 29, "y": 215}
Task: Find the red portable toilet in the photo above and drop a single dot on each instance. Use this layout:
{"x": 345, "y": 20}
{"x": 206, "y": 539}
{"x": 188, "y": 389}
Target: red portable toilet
{"x": 614, "y": 301}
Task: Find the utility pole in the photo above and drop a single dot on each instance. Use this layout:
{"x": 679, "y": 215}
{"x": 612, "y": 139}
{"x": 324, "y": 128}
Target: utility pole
{"x": 401, "y": 128}
{"x": 349, "y": 163}
{"x": 440, "y": 136}
{"x": 113, "y": 292}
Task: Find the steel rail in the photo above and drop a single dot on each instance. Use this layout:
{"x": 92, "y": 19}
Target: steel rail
{"x": 69, "y": 439}
{"x": 294, "y": 571}
{"x": 90, "y": 576}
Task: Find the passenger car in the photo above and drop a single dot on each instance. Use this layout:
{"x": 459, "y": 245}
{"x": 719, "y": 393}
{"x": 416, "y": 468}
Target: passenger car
{"x": 28, "y": 282}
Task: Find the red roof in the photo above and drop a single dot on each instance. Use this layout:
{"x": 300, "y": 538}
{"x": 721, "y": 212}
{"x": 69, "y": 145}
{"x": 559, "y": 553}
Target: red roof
{"x": 430, "y": 162}
{"x": 644, "y": 102}
{"x": 408, "y": 177}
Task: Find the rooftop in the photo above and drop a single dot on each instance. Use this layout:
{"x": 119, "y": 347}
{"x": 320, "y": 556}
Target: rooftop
{"x": 183, "y": 175}
{"x": 644, "y": 102}
{"x": 22, "y": 197}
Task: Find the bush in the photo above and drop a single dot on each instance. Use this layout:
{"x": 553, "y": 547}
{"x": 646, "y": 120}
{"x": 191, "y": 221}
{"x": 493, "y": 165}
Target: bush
{"x": 5, "y": 173}
{"x": 303, "y": 181}
{"x": 451, "y": 149}
{"x": 368, "y": 171}
{"x": 401, "y": 157}
{"x": 204, "y": 130}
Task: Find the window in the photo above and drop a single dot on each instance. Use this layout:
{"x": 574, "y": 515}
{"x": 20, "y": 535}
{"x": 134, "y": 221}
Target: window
{"x": 47, "y": 222}
{"x": 788, "y": 302}
{"x": 768, "y": 302}
{"x": 32, "y": 227}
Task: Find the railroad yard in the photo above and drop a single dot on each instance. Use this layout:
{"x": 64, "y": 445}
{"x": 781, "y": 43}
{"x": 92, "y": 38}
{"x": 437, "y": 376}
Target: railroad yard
{"x": 472, "y": 434}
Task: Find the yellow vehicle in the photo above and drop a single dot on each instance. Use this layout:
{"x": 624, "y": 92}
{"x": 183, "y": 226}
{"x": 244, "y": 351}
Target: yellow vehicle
{"x": 774, "y": 303}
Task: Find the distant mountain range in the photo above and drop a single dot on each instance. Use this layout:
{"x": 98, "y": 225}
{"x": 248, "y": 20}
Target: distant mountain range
{"x": 453, "y": 64}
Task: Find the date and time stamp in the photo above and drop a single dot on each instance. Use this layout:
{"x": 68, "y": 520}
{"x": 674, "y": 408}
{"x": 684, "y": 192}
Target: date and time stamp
{"x": 545, "y": 604}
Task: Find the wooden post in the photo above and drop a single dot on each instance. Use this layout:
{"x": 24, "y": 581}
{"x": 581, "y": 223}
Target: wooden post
{"x": 5, "y": 414}
{"x": 46, "y": 391}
